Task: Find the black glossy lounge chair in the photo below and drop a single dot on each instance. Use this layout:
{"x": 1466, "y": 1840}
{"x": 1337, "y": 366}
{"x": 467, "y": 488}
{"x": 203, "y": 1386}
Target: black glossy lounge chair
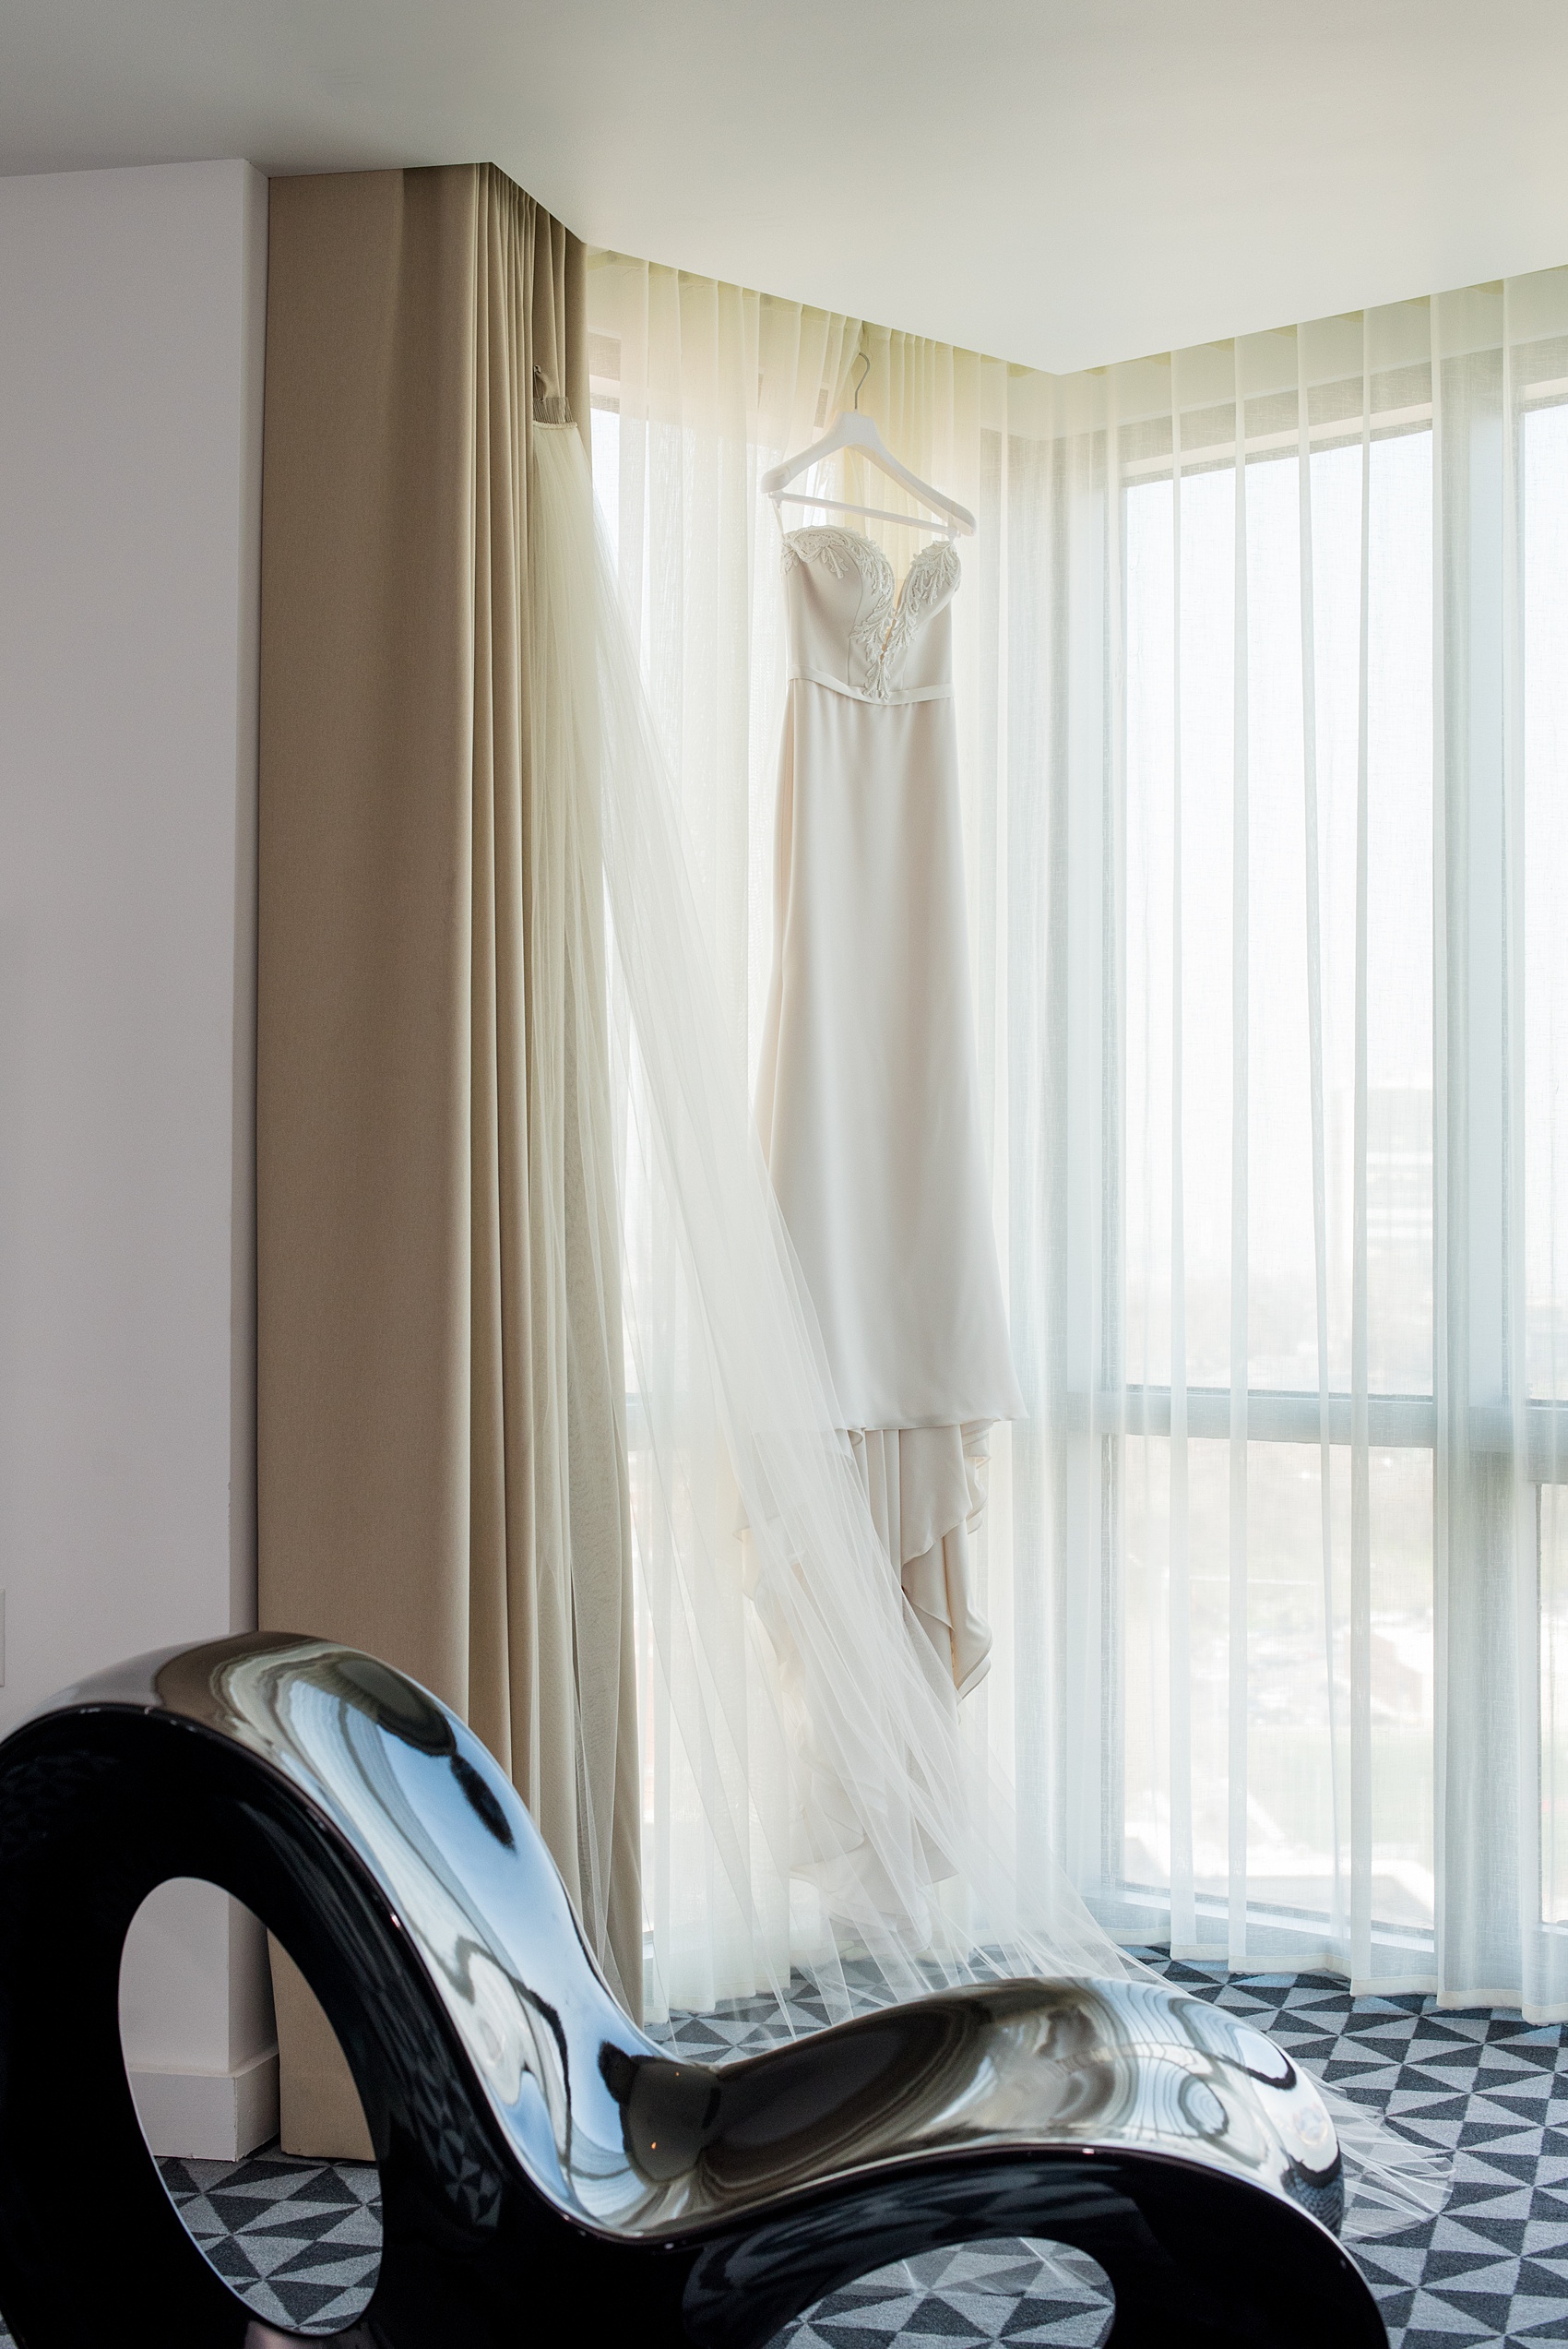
{"x": 548, "y": 2175}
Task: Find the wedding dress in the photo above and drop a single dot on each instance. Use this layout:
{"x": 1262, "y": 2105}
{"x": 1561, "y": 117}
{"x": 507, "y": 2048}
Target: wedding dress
{"x": 867, "y": 1095}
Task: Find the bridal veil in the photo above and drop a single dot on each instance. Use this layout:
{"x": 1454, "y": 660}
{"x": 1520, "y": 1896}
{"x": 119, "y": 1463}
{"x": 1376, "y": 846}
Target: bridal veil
{"x": 831, "y": 1817}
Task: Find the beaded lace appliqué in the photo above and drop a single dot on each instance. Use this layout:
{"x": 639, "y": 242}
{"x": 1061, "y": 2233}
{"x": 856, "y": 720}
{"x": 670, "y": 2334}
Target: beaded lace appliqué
{"x": 887, "y": 620}
{"x": 932, "y": 575}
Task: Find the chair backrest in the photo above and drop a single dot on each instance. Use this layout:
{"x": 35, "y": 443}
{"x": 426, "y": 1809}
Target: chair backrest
{"x": 374, "y": 1835}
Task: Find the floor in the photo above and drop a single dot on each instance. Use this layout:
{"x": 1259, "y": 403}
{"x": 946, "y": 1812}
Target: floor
{"x": 300, "y": 2240}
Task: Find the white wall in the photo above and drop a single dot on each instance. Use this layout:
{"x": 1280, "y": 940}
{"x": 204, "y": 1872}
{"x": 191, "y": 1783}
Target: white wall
{"x": 132, "y": 315}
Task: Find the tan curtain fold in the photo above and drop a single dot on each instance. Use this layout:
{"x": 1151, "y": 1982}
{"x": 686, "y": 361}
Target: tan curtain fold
{"x": 442, "y": 1476}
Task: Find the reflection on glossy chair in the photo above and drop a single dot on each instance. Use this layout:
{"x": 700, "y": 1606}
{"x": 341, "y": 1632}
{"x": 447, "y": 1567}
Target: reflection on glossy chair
{"x": 542, "y": 2161}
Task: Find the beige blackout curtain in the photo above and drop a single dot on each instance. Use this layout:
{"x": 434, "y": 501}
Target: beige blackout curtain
{"x": 443, "y": 1462}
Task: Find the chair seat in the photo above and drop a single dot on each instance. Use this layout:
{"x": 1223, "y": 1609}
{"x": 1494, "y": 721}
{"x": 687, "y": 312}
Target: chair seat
{"x": 542, "y": 2160}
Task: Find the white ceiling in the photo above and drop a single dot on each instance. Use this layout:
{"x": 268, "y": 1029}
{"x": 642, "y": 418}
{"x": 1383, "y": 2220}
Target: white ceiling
{"x": 1063, "y": 181}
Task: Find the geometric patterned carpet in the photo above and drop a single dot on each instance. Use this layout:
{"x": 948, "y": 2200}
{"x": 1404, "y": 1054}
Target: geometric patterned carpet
{"x": 300, "y": 2240}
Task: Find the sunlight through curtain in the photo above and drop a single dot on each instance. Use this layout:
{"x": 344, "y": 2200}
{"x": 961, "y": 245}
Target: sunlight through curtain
{"x": 1263, "y": 720}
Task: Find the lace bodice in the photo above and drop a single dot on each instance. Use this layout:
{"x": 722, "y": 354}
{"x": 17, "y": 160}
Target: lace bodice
{"x": 852, "y": 629}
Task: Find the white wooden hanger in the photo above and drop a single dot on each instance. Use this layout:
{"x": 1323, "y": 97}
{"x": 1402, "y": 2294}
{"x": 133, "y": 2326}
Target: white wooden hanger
{"x": 854, "y": 431}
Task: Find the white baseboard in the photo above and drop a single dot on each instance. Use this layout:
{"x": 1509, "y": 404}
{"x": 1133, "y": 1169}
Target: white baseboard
{"x": 210, "y": 2115}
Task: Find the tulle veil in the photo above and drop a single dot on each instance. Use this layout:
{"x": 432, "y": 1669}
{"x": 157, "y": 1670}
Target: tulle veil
{"x": 824, "y": 1815}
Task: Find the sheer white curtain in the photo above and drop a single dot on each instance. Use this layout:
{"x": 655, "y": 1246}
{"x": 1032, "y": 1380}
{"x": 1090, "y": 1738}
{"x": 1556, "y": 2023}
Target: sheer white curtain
{"x": 1264, "y": 735}
{"x": 813, "y": 1803}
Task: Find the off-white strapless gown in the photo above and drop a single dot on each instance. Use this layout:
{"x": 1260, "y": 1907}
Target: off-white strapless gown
{"x": 867, "y": 1092}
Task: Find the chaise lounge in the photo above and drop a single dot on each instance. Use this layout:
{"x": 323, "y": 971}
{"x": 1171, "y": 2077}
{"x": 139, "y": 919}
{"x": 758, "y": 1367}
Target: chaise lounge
{"x": 543, "y": 2165}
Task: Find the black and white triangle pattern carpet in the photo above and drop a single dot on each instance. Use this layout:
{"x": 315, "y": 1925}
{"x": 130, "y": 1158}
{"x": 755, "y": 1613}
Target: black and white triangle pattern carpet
{"x": 300, "y": 2240}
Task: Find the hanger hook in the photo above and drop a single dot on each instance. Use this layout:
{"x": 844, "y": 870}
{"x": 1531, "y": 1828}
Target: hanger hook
{"x": 863, "y": 359}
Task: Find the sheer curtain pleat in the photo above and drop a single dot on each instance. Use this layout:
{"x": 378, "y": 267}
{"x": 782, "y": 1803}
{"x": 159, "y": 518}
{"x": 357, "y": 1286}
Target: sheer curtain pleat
{"x": 1499, "y": 360}
{"x": 1263, "y": 728}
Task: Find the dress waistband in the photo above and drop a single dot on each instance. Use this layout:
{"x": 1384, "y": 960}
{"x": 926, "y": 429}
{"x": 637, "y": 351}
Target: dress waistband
{"x": 880, "y": 700}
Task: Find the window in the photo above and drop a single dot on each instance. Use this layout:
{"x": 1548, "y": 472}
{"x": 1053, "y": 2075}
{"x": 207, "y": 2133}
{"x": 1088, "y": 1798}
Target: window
{"x": 1206, "y": 1273}
{"x": 1273, "y": 1053}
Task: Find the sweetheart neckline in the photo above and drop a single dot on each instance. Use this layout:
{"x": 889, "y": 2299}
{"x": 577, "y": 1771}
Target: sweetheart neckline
{"x": 862, "y": 538}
